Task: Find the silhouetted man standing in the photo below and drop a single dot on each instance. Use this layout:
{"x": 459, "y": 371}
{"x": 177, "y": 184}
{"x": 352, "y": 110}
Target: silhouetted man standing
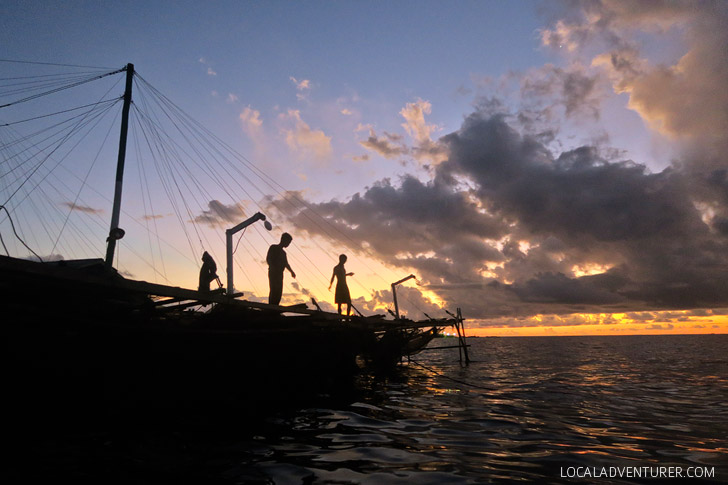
{"x": 278, "y": 262}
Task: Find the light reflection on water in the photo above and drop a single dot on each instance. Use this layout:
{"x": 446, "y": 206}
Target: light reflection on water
{"x": 535, "y": 406}
{"x": 524, "y": 410}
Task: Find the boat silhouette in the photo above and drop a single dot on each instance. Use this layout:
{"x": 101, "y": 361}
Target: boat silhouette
{"x": 83, "y": 339}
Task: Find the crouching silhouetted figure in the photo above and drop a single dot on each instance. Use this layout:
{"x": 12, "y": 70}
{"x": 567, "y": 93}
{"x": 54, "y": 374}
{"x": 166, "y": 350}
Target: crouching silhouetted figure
{"x": 208, "y": 272}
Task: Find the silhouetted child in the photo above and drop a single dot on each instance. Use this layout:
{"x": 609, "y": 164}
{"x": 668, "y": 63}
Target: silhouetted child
{"x": 342, "y": 290}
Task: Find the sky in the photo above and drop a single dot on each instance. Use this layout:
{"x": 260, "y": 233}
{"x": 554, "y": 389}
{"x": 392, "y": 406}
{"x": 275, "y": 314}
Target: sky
{"x": 552, "y": 168}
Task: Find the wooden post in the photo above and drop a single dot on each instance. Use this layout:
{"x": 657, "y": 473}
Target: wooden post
{"x": 465, "y": 345}
{"x": 460, "y": 329}
{"x": 460, "y": 341}
{"x": 115, "y": 232}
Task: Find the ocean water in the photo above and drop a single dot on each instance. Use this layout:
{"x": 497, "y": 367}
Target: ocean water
{"x": 621, "y": 409}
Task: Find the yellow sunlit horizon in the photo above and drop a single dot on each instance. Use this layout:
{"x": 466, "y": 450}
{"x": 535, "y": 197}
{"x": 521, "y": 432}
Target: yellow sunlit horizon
{"x": 664, "y": 323}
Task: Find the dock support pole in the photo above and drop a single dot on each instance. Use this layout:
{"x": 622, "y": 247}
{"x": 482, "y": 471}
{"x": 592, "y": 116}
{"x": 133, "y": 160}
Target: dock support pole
{"x": 462, "y": 345}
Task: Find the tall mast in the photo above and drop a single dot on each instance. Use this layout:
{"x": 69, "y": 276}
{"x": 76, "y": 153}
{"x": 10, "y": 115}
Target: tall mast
{"x": 115, "y": 232}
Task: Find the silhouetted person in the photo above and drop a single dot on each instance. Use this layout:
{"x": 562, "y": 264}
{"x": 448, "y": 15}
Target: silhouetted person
{"x": 208, "y": 272}
{"x": 342, "y": 294}
{"x": 278, "y": 262}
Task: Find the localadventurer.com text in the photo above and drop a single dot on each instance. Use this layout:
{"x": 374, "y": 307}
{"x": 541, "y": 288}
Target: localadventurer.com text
{"x": 637, "y": 472}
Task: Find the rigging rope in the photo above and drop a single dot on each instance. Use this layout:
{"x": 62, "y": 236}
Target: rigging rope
{"x": 59, "y": 112}
{"x": 52, "y": 64}
{"x": 17, "y": 236}
{"x": 52, "y": 91}
{"x": 271, "y": 183}
{"x": 175, "y": 164}
{"x": 83, "y": 184}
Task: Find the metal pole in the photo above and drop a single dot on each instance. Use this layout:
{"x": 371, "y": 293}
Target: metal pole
{"x": 394, "y": 293}
{"x": 229, "y": 245}
{"x": 229, "y": 262}
{"x": 394, "y": 296}
{"x": 115, "y": 232}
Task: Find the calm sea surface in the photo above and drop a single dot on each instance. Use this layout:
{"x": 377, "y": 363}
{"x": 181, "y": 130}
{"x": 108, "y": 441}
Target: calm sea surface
{"x": 526, "y": 409}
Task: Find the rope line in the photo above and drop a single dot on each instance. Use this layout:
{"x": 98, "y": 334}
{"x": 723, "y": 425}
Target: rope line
{"x": 69, "y": 86}
{"x": 180, "y": 165}
{"x": 440, "y": 374}
{"x": 285, "y": 196}
{"x": 58, "y": 112}
{"x": 17, "y": 236}
{"x": 52, "y": 64}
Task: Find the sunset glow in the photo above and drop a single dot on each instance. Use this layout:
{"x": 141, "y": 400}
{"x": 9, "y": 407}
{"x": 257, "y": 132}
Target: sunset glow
{"x": 550, "y": 169}
{"x": 653, "y": 323}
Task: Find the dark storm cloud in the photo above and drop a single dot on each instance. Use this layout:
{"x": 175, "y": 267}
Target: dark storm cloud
{"x": 404, "y": 223}
{"x": 576, "y": 196}
{"x": 506, "y": 228}
{"x": 558, "y": 288}
{"x": 667, "y": 255}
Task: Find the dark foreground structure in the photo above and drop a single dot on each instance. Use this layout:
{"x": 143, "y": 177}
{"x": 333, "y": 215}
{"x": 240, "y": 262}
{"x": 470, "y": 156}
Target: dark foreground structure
{"x": 85, "y": 342}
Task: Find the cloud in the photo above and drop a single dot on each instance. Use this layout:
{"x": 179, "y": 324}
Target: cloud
{"x": 609, "y": 33}
{"x": 210, "y": 70}
{"x": 415, "y": 125}
{"x": 252, "y": 124}
{"x": 388, "y": 146}
{"x": 46, "y": 258}
{"x": 303, "y": 87}
{"x": 302, "y": 140}
{"x": 574, "y": 88}
{"x": 512, "y": 226}
{"x": 82, "y": 208}
{"x": 219, "y": 214}
{"x": 392, "y": 145}
{"x": 505, "y": 228}
{"x": 232, "y": 98}
{"x": 425, "y": 147}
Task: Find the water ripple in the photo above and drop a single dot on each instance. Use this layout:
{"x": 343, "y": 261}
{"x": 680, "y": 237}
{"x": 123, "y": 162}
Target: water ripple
{"x": 536, "y": 407}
